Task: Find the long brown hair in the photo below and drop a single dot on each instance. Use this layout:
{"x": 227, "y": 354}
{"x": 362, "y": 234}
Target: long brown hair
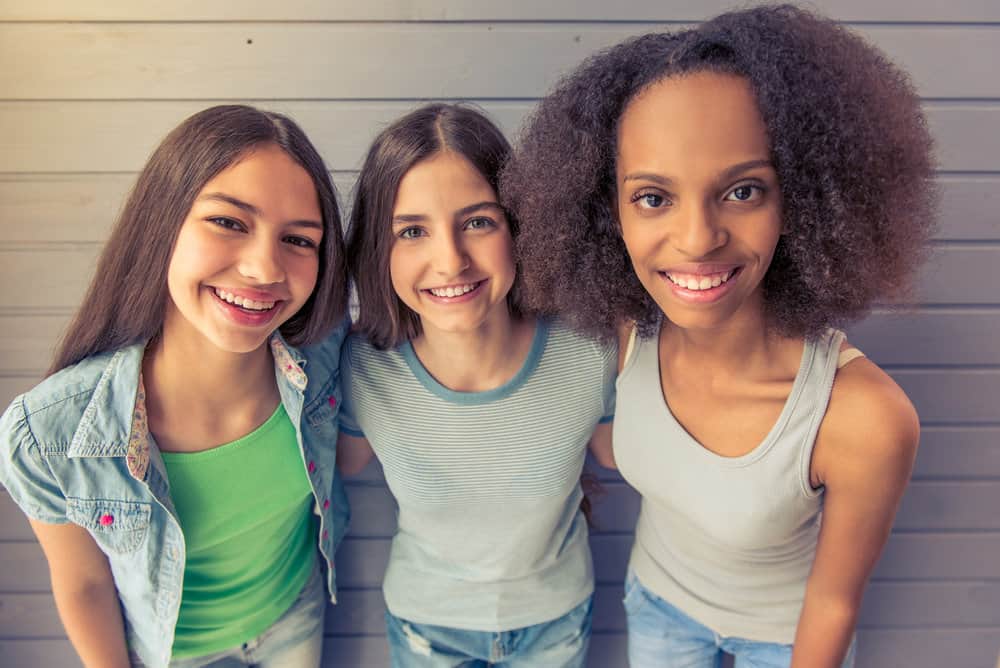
{"x": 383, "y": 317}
{"x": 127, "y": 297}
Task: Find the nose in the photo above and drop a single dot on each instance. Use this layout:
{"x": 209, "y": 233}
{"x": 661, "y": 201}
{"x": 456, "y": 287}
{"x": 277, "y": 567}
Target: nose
{"x": 450, "y": 256}
{"x": 261, "y": 262}
{"x": 697, "y": 231}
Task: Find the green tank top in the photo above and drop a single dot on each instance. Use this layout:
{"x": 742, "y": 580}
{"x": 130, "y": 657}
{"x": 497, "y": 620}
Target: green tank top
{"x": 246, "y": 512}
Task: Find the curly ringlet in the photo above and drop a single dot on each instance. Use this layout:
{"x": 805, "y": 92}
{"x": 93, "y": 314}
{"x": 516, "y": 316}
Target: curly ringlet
{"x": 849, "y": 143}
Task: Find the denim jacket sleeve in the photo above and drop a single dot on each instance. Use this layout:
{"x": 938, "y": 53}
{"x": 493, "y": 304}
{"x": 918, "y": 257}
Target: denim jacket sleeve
{"x": 25, "y": 471}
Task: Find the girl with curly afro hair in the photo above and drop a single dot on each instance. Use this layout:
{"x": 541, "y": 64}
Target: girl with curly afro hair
{"x": 724, "y": 198}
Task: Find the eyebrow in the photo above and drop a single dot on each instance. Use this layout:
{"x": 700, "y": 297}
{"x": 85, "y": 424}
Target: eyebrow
{"x": 728, "y": 173}
{"x": 405, "y": 218}
{"x": 252, "y": 210}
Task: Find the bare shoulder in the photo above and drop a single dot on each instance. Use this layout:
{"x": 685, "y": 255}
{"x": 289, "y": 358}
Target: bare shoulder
{"x": 870, "y": 423}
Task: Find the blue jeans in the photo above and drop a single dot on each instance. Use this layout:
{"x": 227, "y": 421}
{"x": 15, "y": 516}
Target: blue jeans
{"x": 560, "y": 643}
{"x": 660, "y": 635}
{"x": 295, "y": 640}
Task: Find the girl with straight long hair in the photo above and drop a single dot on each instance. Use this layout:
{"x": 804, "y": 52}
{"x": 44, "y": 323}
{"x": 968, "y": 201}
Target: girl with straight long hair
{"x": 177, "y": 465}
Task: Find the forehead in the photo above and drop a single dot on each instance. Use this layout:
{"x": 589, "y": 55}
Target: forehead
{"x": 268, "y": 178}
{"x": 705, "y": 117}
{"x": 445, "y": 179}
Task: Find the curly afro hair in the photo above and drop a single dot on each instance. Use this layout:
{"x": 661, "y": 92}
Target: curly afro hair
{"x": 848, "y": 141}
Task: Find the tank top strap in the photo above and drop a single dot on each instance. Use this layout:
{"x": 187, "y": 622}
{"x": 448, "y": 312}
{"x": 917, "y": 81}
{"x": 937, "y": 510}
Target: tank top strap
{"x": 825, "y": 352}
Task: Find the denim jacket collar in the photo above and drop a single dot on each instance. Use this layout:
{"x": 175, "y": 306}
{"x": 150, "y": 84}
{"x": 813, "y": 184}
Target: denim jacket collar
{"x": 107, "y": 430}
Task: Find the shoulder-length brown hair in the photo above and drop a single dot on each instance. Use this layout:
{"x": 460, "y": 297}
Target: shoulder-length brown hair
{"x": 383, "y": 317}
{"x": 127, "y": 297}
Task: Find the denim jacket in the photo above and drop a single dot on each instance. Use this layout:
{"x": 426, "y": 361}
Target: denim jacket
{"x": 76, "y": 448}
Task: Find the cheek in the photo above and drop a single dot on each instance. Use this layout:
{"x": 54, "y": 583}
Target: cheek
{"x": 636, "y": 243}
{"x": 307, "y": 274}
{"x": 504, "y": 255}
{"x": 186, "y": 261}
{"x": 398, "y": 274}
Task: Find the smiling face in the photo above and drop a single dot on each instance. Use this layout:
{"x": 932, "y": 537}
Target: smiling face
{"x": 452, "y": 255}
{"x": 698, "y": 199}
{"x": 247, "y": 254}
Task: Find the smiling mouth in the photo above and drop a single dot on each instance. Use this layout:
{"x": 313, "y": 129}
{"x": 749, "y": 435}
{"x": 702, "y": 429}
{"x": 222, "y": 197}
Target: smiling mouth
{"x": 699, "y": 282}
{"x": 452, "y": 291}
{"x": 249, "y": 305}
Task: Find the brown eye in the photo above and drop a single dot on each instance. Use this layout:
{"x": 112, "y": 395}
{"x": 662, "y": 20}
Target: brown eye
{"x": 745, "y": 193}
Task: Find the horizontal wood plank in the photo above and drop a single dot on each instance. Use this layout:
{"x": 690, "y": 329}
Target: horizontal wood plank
{"x": 946, "y": 336}
{"x": 73, "y": 136}
{"x": 470, "y": 10}
{"x": 234, "y": 61}
{"x": 929, "y": 648}
{"x": 958, "y": 452}
{"x": 952, "y": 396}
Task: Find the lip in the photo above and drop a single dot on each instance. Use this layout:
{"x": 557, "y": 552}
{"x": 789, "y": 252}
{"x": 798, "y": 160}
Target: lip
{"x": 468, "y": 296}
{"x": 243, "y": 317}
{"x": 707, "y": 296}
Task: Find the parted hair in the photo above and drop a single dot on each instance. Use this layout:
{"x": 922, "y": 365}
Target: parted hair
{"x": 419, "y": 135}
{"x": 848, "y": 141}
{"x": 127, "y": 297}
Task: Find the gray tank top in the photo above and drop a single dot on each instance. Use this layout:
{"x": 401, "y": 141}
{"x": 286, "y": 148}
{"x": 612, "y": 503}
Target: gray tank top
{"x": 728, "y": 540}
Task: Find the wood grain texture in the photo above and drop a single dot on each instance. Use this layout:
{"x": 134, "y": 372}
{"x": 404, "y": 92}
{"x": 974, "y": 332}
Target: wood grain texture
{"x": 471, "y": 10}
{"x": 232, "y": 60}
{"x": 41, "y": 136}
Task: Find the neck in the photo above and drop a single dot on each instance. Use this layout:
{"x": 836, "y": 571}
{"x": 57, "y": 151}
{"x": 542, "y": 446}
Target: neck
{"x": 478, "y": 360}
{"x": 184, "y": 378}
{"x": 741, "y": 345}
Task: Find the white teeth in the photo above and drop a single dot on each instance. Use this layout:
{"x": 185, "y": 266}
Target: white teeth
{"x": 700, "y": 283}
{"x": 249, "y": 304}
{"x": 453, "y": 291}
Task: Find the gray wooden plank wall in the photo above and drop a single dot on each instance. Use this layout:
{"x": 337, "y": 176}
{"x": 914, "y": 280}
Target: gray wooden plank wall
{"x": 88, "y": 89}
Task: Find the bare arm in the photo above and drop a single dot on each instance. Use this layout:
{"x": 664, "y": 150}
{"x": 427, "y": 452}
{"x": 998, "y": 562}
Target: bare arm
{"x": 353, "y": 453}
{"x": 868, "y": 440}
{"x": 85, "y": 594}
{"x": 600, "y": 445}
{"x": 601, "y": 441}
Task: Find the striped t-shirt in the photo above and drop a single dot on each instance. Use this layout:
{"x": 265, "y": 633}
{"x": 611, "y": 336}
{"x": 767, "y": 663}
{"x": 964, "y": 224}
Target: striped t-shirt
{"x": 490, "y": 535}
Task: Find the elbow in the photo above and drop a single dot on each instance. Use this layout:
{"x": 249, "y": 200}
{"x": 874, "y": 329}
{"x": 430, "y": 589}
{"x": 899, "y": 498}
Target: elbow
{"x": 350, "y": 467}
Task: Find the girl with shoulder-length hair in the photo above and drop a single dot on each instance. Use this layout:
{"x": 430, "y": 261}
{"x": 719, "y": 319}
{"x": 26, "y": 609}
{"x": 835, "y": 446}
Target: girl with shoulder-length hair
{"x": 725, "y": 197}
{"x": 479, "y": 412}
{"x": 171, "y": 462}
